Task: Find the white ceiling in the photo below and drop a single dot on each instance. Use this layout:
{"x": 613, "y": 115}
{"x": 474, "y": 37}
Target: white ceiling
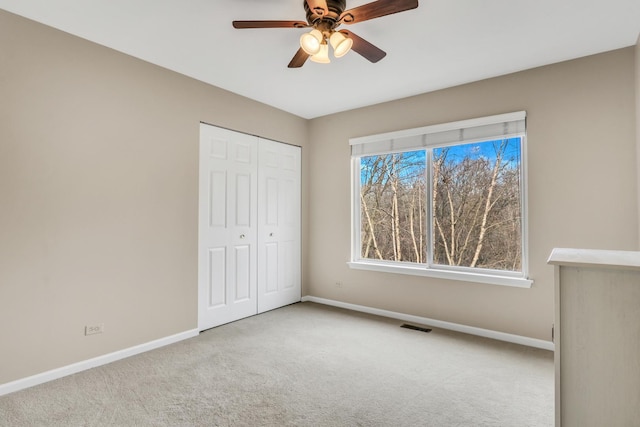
{"x": 440, "y": 44}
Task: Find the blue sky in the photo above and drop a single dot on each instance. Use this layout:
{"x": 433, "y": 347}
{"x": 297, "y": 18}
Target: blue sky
{"x": 484, "y": 149}
{"x": 458, "y": 152}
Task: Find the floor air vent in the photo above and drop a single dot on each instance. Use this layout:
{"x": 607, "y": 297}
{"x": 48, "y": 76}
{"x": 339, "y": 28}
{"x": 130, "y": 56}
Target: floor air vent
{"x": 415, "y": 328}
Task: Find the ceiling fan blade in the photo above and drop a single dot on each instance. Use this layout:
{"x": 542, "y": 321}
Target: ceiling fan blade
{"x": 376, "y": 9}
{"x": 298, "y": 59}
{"x": 318, "y": 7}
{"x": 269, "y": 24}
{"x": 364, "y": 48}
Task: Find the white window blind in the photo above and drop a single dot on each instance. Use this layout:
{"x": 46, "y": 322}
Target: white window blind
{"x": 465, "y": 131}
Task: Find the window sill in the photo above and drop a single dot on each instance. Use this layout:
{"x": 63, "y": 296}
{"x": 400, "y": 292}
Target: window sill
{"x": 517, "y": 282}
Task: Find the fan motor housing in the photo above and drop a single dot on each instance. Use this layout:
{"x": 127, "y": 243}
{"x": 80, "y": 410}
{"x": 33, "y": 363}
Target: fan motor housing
{"x": 336, "y": 7}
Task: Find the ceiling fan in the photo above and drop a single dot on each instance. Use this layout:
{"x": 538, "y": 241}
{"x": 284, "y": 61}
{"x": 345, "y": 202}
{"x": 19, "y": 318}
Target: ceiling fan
{"x": 325, "y": 16}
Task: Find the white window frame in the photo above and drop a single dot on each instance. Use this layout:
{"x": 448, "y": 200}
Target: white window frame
{"x": 455, "y": 133}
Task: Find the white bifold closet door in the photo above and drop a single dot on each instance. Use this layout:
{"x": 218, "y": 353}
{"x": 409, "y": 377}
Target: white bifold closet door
{"x": 249, "y": 226}
{"x": 278, "y": 225}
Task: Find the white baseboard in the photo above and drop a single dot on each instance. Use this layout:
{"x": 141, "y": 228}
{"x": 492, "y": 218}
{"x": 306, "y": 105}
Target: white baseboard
{"x": 54, "y": 374}
{"x": 132, "y": 351}
{"x": 501, "y": 336}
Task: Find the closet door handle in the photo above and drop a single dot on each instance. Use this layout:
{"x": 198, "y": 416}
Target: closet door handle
{"x": 270, "y": 234}
{"x": 242, "y": 236}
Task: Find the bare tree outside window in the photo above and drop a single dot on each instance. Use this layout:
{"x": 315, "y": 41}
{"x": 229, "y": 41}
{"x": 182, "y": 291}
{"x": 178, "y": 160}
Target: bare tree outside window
{"x": 393, "y": 206}
{"x": 475, "y": 201}
{"x": 476, "y": 205}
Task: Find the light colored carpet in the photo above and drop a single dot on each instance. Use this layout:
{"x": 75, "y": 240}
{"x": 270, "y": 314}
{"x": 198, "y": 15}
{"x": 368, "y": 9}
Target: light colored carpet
{"x": 304, "y": 365}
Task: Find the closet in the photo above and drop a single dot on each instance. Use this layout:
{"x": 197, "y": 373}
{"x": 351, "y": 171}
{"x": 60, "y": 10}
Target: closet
{"x": 248, "y": 226}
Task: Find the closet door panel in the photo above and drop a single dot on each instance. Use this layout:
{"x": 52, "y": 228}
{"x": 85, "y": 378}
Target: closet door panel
{"x": 278, "y": 225}
{"x": 227, "y": 243}
{"x": 270, "y": 275}
{"x": 242, "y": 285}
{"x": 216, "y": 283}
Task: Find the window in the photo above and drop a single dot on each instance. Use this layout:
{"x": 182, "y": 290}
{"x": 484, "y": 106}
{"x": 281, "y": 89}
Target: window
{"x": 444, "y": 201}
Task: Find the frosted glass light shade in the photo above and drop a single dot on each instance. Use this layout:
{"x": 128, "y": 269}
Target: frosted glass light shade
{"x": 322, "y": 56}
{"x": 310, "y": 42}
{"x": 341, "y": 44}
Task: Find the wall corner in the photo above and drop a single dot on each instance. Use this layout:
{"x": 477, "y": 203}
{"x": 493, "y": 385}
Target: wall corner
{"x": 637, "y": 87}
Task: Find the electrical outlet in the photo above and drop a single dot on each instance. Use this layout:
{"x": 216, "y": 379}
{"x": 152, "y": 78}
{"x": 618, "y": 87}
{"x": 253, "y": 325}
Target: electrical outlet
{"x": 339, "y": 285}
{"x": 94, "y": 329}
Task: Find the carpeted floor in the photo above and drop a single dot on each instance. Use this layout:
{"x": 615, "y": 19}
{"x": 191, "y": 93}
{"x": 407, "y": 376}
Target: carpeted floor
{"x": 304, "y": 365}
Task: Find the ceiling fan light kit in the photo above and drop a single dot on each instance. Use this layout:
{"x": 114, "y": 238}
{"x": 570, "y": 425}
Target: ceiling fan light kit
{"x": 340, "y": 43}
{"x": 322, "y": 57}
{"x": 315, "y": 44}
{"x": 324, "y": 16}
{"x": 311, "y": 41}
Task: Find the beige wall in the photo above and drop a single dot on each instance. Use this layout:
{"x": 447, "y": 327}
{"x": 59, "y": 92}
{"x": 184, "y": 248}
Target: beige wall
{"x": 99, "y": 195}
{"x": 581, "y": 181}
